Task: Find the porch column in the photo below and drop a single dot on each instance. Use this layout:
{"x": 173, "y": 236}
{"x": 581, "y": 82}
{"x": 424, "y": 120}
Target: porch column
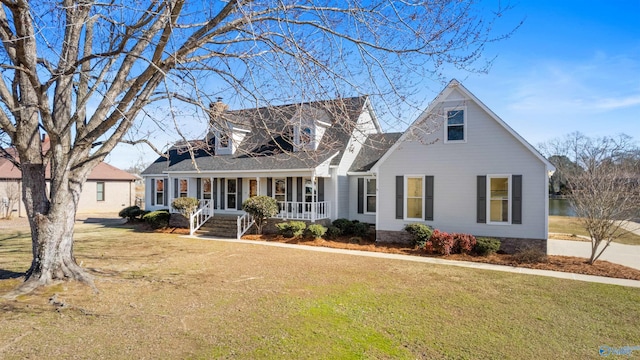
{"x": 314, "y": 198}
{"x": 258, "y": 185}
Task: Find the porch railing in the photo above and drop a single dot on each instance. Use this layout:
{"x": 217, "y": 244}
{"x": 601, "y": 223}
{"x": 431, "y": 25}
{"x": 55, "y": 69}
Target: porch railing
{"x": 244, "y": 224}
{"x": 298, "y": 210}
{"x": 198, "y": 218}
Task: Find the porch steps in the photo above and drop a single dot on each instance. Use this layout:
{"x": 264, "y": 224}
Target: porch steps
{"x": 220, "y": 226}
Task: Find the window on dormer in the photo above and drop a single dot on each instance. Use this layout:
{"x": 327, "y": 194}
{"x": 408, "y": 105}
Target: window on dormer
{"x": 305, "y": 136}
{"x": 223, "y": 141}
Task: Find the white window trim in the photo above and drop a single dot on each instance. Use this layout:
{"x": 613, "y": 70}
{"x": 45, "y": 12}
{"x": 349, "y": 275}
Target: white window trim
{"x": 405, "y": 198}
{"x": 375, "y": 194}
{"x": 312, "y": 137}
{"x": 104, "y": 185}
{"x": 509, "y": 196}
{"x": 464, "y": 124}
{"x": 202, "y": 192}
{"x": 180, "y": 180}
{"x": 227, "y": 193}
{"x": 154, "y": 198}
{"x": 273, "y": 188}
{"x": 219, "y": 135}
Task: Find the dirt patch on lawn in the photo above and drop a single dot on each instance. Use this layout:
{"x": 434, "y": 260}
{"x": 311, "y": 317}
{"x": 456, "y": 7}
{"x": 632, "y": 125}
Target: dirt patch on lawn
{"x": 569, "y": 264}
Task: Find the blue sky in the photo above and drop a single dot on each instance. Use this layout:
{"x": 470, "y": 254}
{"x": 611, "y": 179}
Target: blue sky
{"x": 571, "y": 66}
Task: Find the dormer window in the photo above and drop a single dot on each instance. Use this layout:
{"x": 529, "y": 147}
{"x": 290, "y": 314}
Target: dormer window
{"x": 305, "y": 136}
{"x": 223, "y": 141}
{"x": 455, "y": 124}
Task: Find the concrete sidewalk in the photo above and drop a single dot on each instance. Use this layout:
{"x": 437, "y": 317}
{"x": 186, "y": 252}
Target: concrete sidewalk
{"x": 466, "y": 264}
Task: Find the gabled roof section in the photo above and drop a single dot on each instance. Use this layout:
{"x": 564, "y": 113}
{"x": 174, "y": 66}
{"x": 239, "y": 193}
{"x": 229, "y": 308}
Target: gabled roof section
{"x": 269, "y": 143}
{"x": 372, "y": 150}
{"x": 444, "y": 94}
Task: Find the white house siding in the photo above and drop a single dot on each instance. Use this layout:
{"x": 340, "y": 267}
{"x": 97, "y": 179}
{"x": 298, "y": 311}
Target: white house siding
{"x": 366, "y": 126}
{"x": 490, "y": 149}
{"x": 369, "y": 218}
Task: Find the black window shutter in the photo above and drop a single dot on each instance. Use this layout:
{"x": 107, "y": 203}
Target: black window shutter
{"x": 481, "y": 208}
{"x": 222, "y": 191}
{"x": 428, "y": 204}
{"x": 165, "y": 193}
{"x": 269, "y": 185}
{"x": 299, "y": 189}
{"x": 175, "y": 189}
{"x": 214, "y": 192}
{"x": 239, "y": 194}
{"x": 198, "y": 188}
{"x": 153, "y": 191}
{"x": 399, "y": 197}
{"x": 289, "y": 189}
{"x": 516, "y": 210}
{"x": 320, "y": 189}
{"x": 360, "y": 195}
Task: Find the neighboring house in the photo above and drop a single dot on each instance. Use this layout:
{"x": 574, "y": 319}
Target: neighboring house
{"x": 458, "y": 168}
{"x": 107, "y": 189}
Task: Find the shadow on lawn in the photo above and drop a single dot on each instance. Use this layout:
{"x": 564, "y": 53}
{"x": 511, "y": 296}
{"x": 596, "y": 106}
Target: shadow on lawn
{"x": 8, "y": 274}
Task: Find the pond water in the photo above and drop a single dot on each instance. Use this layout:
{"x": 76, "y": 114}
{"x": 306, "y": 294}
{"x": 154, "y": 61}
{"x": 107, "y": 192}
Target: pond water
{"x": 561, "y": 207}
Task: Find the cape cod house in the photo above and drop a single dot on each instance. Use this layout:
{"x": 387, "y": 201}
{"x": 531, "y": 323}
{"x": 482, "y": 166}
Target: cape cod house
{"x": 458, "y": 168}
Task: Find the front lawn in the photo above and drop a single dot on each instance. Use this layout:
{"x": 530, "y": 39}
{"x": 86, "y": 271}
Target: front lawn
{"x": 165, "y": 296}
{"x": 571, "y": 225}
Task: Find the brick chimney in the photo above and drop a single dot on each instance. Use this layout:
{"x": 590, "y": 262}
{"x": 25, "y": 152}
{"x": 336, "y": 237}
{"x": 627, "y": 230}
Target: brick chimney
{"x": 217, "y": 108}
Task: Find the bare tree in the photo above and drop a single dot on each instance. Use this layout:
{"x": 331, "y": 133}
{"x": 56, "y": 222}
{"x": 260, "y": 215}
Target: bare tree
{"x": 85, "y": 73}
{"x": 604, "y": 190}
{"x": 9, "y": 199}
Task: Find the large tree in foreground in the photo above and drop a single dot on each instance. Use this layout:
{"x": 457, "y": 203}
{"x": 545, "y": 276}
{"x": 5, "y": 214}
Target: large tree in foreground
{"x": 85, "y": 72}
{"x": 602, "y": 176}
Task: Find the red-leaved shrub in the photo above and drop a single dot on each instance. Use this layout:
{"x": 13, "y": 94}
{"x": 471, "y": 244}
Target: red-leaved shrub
{"x": 442, "y": 242}
{"x": 464, "y": 243}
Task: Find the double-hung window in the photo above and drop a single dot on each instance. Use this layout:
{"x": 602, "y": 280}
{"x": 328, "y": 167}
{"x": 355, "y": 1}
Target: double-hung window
{"x": 370, "y": 195}
{"x": 159, "y": 192}
{"x": 183, "y": 188}
{"x": 499, "y": 195}
{"x": 456, "y": 124}
{"x": 231, "y": 193}
{"x": 206, "y": 189}
{"x": 414, "y": 197}
{"x": 100, "y": 191}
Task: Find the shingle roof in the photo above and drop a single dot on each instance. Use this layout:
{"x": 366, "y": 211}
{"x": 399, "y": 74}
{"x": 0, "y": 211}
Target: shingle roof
{"x": 102, "y": 171}
{"x": 372, "y": 150}
{"x": 267, "y": 146}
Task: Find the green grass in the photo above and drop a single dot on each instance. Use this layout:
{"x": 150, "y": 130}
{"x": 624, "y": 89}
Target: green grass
{"x": 571, "y": 225}
{"x": 164, "y": 296}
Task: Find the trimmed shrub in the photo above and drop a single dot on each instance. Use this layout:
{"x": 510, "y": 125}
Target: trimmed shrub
{"x": 261, "y": 208}
{"x": 420, "y": 234}
{"x": 157, "y": 219}
{"x": 464, "y": 243}
{"x": 442, "y": 242}
{"x": 344, "y": 225}
{"x": 529, "y": 255}
{"x": 332, "y": 232}
{"x": 316, "y": 230}
{"x": 185, "y": 205}
{"x": 359, "y": 229}
{"x": 291, "y": 228}
{"x": 486, "y": 246}
{"x": 131, "y": 212}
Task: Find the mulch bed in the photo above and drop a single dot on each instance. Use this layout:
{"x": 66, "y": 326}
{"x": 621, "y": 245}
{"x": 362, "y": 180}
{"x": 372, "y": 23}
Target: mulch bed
{"x": 569, "y": 264}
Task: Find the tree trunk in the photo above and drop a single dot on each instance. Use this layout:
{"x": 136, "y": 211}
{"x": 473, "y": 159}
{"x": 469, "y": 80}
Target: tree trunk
{"x": 52, "y": 227}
